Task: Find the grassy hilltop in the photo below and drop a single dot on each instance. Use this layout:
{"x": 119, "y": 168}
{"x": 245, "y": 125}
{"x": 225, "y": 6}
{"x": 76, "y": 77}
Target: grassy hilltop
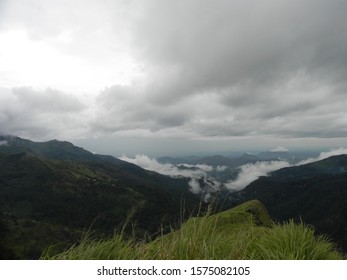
{"x": 244, "y": 232}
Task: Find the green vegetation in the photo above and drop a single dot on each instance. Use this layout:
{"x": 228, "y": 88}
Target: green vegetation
{"x": 244, "y": 232}
{"x": 294, "y": 242}
{"x": 44, "y": 197}
{"x": 52, "y": 192}
{"x": 23, "y": 239}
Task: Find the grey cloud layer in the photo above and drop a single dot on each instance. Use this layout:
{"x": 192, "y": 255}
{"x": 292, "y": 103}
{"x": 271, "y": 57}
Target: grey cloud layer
{"x": 241, "y": 44}
{"x": 234, "y": 68}
{"x": 40, "y": 114}
{"x": 210, "y": 69}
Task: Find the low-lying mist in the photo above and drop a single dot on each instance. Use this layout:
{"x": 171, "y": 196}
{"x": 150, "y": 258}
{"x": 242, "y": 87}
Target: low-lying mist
{"x": 205, "y": 178}
{"x": 252, "y": 171}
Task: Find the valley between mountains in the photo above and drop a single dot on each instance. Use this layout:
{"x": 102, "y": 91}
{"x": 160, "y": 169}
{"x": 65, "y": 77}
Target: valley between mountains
{"x": 53, "y": 194}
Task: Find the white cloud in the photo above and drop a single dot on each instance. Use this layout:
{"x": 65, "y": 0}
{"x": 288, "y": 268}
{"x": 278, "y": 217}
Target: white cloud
{"x": 194, "y": 186}
{"x": 247, "y": 173}
{"x": 251, "y": 172}
{"x": 194, "y": 172}
{"x": 221, "y": 168}
{"x": 166, "y": 168}
{"x": 324, "y": 155}
{"x": 3, "y": 143}
{"x": 279, "y": 149}
{"x": 204, "y": 167}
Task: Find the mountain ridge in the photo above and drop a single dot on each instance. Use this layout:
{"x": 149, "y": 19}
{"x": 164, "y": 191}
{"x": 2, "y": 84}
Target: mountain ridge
{"x": 57, "y": 183}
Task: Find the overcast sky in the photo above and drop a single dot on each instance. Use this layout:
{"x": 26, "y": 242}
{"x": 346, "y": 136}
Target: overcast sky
{"x": 163, "y": 77}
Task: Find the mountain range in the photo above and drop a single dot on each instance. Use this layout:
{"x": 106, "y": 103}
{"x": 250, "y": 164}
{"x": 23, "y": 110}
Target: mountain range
{"x": 52, "y": 193}
{"x": 236, "y": 161}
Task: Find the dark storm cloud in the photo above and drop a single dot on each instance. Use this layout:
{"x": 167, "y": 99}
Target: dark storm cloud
{"x": 266, "y": 68}
{"x": 224, "y": 44}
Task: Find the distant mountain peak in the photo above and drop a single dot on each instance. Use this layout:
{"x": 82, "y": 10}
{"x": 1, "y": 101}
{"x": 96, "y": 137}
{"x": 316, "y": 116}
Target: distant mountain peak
{"x": 248, "y": 154}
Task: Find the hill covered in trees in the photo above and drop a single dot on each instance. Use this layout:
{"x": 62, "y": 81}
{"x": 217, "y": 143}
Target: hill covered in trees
{"x": 57, "y": 190}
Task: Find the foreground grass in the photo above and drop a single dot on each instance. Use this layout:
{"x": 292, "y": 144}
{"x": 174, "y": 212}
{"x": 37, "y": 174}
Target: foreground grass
{"x": 292, "y": 241}
{"x": 244, "y": 232}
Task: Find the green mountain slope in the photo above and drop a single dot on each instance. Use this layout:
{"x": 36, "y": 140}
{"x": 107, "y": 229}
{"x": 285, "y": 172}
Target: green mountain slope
{"x": 315, "y": 193}
{"x": 331, "y": 165}
{"x": 63, "y": 186}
